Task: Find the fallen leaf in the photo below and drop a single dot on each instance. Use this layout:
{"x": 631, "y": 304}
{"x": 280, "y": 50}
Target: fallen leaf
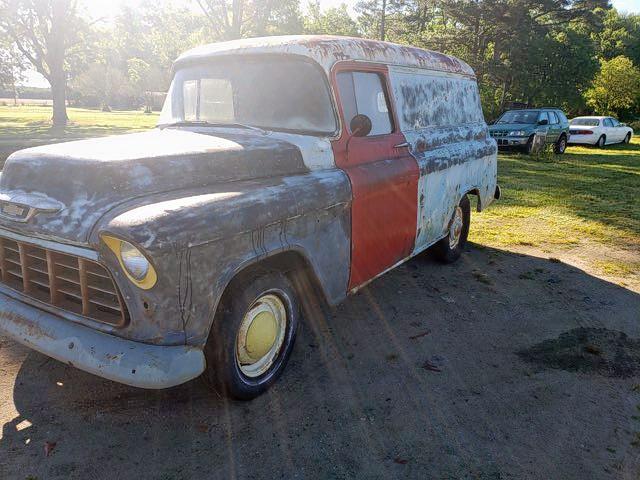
{"x": 400, "y": 461}
{"x": 418, "y": 335}
{"x": 431, "y": 367}
{"x": 48, "y": 448}
{"x": 202, "y": 428}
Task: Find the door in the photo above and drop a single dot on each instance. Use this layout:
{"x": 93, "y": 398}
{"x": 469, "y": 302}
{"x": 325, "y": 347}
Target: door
{"x": 543, "y": 130}
{"x": 609, "y": 130}
{"x": 384, "y": 177}
{"x": 555, "y": 128}
{"x": 619, "y": 131}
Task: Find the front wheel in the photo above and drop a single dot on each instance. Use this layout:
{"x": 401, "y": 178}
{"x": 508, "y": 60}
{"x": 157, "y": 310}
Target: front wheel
{"x": 450, "y": 248}
{"x": 252, "y": 336}
{"x": 627, "y": 139}
{"x": 561, "y": 145}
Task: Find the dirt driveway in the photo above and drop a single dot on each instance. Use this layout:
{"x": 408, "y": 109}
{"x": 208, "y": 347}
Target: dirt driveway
{"x": 500, "y": 366}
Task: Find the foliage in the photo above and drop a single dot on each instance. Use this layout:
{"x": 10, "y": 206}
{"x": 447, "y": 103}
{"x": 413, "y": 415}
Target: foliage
{"x": 232, "y": 19}
{"x": 45, "y": 32}
{"x": 332, "y": 21}
{"x": 616, "y": 87}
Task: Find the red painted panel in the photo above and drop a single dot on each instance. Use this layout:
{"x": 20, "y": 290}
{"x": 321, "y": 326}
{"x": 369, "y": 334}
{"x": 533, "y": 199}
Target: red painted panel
{"x": 384, "y": 181}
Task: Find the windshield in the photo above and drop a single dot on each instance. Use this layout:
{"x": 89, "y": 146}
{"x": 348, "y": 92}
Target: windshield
{"x": 519, "y": 116}
{"x": 266, "y": 92}
{"x": 590, "y": 122}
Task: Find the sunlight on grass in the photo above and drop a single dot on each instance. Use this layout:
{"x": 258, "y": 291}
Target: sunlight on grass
{"x": 585, "y": 194}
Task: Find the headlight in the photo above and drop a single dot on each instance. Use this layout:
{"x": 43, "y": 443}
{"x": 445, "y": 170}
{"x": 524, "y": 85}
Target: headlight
{"x": 133, "y": 262}
{"x": 518, "y": 133}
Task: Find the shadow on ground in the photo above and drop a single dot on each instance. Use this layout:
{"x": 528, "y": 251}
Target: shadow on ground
{"x": 431, "y": 372}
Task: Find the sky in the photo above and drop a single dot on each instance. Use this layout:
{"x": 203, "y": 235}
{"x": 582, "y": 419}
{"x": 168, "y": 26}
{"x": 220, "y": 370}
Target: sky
{"x": 100, "y": 8}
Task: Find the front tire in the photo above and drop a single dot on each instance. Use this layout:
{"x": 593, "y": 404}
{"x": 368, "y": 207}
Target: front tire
{"x": 252, "y": 335}
{"x": 449, "y": 249}
{"x": 561, "y": 145}
{"x": 601, "y": 141}
{"x": 627, "y": 139}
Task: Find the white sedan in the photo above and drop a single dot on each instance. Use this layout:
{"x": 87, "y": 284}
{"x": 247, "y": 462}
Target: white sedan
{"x": 599, "y": 131}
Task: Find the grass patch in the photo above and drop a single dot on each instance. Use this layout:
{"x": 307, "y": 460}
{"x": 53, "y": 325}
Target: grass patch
{"x": 26, "y": 125}
{"x": 585, "y": 194}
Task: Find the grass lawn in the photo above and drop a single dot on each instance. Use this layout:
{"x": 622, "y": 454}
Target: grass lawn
{"x": 26, "y": 126}
{"x": 582, "y": 207}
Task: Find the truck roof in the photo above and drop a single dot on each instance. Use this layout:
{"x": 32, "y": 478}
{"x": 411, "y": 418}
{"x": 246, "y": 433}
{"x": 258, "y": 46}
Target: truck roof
{"x": 327, "y": 50}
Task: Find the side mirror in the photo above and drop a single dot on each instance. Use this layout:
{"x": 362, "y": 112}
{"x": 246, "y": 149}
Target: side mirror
{"x": 544, "y": 121}
{"x": 360, "y": 125}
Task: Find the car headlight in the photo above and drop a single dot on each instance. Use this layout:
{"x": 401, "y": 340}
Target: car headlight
{"x": 518, "y": 133}
{"x": 133, "y": 262}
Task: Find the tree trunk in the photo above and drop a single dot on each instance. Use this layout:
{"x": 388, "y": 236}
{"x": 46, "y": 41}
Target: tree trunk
{"x": 55, "y": 60}
{"x": 383, "y": 19}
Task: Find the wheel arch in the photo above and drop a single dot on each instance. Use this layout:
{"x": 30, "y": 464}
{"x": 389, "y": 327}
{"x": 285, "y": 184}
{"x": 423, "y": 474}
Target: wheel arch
{"x": 294, "y": 263}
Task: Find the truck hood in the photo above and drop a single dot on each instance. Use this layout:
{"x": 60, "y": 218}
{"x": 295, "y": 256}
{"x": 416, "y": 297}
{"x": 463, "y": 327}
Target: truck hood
{"x": 62, "y": 190}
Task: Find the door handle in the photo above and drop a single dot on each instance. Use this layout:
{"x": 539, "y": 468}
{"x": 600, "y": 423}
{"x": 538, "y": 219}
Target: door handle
{"x": 402, "y": 145}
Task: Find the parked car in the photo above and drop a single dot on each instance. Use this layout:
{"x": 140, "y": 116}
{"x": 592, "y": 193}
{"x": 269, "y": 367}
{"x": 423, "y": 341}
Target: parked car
{"x": 517, "y": 129}
{"x": 598, "y": 131}
{"x": 278, "y": 163}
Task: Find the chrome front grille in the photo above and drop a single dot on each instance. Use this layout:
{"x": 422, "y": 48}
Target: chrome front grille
{"x": 65, "y": 281}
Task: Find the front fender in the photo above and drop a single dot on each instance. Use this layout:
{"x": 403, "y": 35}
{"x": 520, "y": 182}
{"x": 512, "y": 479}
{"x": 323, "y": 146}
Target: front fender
{"x": 198, "y": 239}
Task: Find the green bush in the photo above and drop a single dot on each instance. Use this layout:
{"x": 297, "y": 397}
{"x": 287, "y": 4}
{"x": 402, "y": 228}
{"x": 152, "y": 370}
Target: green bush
{"x": 636, "y": 126}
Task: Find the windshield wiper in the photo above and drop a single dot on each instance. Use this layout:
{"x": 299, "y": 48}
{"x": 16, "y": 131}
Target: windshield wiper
{"x": 205, "y": 123}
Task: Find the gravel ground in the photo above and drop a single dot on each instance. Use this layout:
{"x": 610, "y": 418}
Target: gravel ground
{"x": 500, "y": 366}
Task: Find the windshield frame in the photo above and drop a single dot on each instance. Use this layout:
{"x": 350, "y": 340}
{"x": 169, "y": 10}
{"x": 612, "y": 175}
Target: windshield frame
{"x": 537, "y": 111}
{"x": 208, "y": 61}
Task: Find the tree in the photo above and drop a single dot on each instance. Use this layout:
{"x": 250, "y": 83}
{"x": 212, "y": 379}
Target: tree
{"x": 232, "y": 19}
{"x": 11, "y": 65}
{"x": 332, "y": 21}
{"x": 43, "y": 31}
{"x": 616, "y": 87}
{"x": 375, "y": 16}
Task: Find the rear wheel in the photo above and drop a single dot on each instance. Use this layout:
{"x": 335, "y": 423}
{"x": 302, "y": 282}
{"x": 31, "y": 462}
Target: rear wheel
{"x": 450, "y": 248}
{"x": 601, "y": 141}
{"x": 561, "y": 145}
{"x": 252, "y": 336}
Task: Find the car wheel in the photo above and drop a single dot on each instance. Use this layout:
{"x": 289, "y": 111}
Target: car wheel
{"x": 601, "y": 141}
{"x": 561, "y": 145}
{"x": 252, "y": 335}
{"x": 627, "y": 139}
{"x": 450, "y": 248}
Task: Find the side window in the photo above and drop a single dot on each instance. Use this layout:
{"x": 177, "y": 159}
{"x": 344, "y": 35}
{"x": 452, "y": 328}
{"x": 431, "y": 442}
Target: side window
{"x": 364, "y": 93}
{"x": 607, "y": 122}
{"x": 615, "y": 122}
{"x": 562, "y": 117}
{"x": 553, "y": 119}
{"x": 543, "y": 116}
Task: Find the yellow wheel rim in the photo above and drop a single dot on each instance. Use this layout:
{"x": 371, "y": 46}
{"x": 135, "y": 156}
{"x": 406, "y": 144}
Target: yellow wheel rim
{"x": 261, "y": 335}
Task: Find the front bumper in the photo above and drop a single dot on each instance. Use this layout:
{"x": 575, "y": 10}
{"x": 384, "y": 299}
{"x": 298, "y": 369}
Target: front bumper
{"x": 125, "y": 361}
{"x": 511, "y": 141}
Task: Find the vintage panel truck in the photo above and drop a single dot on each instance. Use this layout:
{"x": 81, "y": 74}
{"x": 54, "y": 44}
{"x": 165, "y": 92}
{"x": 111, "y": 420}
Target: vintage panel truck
{"x": 150, "y": 258}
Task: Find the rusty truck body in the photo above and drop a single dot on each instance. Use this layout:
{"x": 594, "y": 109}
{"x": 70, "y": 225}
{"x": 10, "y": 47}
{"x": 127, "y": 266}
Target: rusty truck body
{"x": 150, "y": 258}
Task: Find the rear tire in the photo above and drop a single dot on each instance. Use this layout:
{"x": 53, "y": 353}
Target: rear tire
{"x": 449, "y": 249}
{"x": 252, "y": 313}
{"x": 601, "y": 141}
{"x": 561, "y": 145}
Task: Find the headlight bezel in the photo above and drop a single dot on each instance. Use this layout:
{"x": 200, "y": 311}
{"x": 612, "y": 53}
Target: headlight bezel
{"x": 115, "y": 244}
{"x": 518, "y": 133}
